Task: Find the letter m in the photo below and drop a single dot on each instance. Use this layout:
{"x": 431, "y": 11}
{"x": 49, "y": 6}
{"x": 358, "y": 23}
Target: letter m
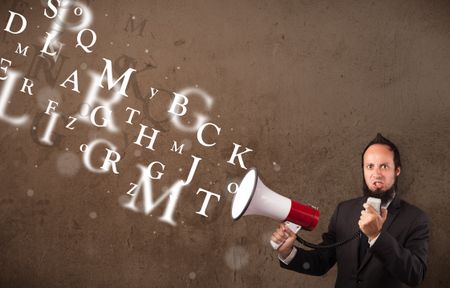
{"x": 144, "y": 187}
{"x": 125, "y": 76}
{"x": 130, "y": 23}
{"x": 19, "y": 49}
{"x": 177, "y": 149}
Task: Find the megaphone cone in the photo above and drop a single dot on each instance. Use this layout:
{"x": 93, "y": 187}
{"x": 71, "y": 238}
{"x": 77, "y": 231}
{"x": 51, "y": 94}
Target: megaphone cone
{"x": 254, "y": 198}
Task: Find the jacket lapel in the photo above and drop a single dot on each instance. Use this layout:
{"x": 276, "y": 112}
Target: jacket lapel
{"x": 392, "y": 213}
{"x": 354, "y": 248}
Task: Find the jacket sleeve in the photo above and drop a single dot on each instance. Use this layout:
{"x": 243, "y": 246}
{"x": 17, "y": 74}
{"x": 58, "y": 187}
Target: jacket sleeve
{"x": 316, "y": 262}
{"x": 407, "y": 262}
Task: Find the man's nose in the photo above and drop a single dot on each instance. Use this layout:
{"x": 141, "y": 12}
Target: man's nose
{"x": 377, "y": 170}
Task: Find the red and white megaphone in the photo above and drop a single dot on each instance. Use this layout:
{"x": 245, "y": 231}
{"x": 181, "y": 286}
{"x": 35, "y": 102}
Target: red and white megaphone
{"x": 254, "y": 198}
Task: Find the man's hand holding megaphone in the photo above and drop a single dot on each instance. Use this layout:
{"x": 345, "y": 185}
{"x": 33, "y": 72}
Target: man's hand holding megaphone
{"x": 286, "y": 237}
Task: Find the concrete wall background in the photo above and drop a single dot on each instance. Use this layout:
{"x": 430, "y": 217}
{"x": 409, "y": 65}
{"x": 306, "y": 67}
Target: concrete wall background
{"x": 305, "y": 84}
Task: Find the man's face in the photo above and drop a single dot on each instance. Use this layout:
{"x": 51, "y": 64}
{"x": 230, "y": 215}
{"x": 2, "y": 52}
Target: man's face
{"x": 379, "y": 169}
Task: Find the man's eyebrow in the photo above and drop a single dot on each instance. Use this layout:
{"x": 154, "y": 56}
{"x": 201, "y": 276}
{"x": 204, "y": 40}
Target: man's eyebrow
{"x": 382, "y": 163}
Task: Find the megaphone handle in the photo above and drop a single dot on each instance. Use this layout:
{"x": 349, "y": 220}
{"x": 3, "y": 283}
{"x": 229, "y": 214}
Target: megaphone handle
{"x": 275, "y": 246}
{"x": 293, "y": 227}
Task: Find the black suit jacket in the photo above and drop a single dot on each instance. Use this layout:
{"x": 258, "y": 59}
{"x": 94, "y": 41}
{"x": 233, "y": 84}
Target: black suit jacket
{"x": 396, "y": 259}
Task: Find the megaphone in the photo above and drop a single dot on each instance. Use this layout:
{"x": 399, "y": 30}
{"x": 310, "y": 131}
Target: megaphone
{"x": 252, "y": 197}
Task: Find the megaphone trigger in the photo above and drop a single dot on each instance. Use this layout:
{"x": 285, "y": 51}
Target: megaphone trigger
{"x": 292, "y": 226}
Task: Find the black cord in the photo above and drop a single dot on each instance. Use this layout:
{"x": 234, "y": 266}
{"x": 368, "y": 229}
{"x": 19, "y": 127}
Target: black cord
{"x": 316, "y": 246}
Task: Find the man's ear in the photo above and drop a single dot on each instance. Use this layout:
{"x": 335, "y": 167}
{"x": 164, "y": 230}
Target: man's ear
{"x": 397, "y": 171}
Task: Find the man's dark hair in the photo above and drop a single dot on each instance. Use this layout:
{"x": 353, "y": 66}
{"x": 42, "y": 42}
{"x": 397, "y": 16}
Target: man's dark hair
{"x": 379, "y": 139}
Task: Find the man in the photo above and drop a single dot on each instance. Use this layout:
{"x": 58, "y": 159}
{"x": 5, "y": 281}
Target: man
{"x": 392, "y": 250}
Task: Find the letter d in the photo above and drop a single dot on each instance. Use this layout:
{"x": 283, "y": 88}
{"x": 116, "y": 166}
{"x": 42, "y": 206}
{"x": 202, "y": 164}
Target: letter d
{"x": 10, "y": 21}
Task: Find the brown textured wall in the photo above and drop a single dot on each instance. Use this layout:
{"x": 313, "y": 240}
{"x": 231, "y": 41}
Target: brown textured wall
{"x": 305, "y": 84}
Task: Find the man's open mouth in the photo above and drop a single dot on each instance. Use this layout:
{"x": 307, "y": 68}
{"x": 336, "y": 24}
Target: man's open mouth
{"x": 378, "y": 184}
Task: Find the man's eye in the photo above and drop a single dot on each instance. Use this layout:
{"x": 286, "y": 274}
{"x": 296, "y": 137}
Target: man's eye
{"x": 370, "y": 166}
{"x": 383, "y": 166}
